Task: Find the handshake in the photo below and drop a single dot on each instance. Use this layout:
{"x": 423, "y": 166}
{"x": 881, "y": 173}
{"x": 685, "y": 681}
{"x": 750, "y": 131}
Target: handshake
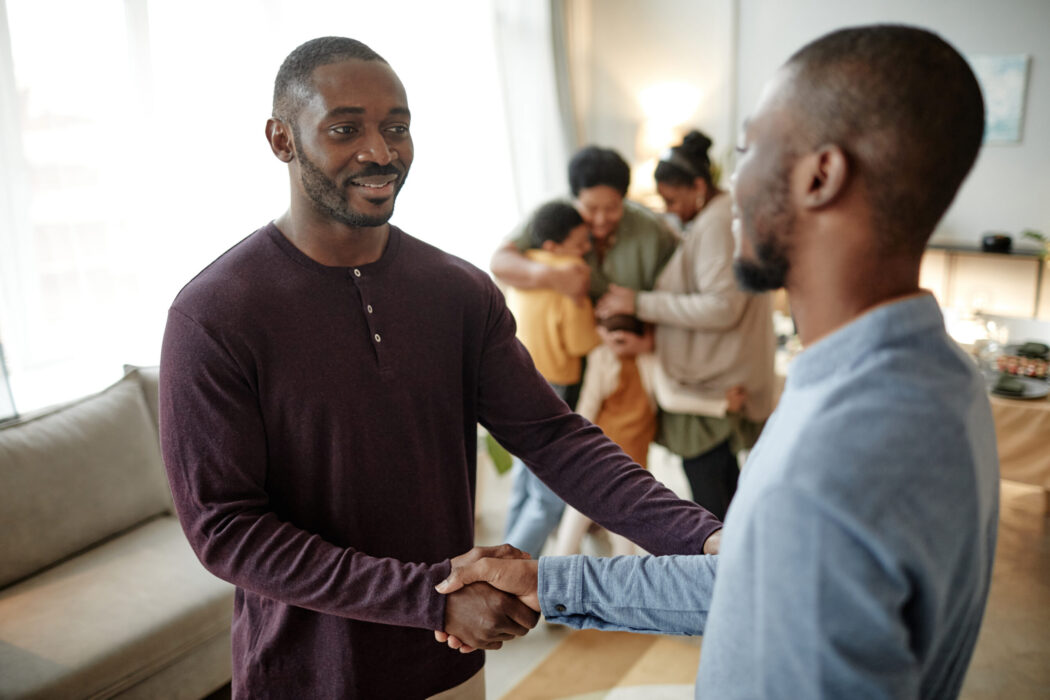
{"x": 492, "y": 598}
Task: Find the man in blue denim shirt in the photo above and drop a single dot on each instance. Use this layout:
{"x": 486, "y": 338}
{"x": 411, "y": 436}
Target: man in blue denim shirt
{"x": 856, "y": 557}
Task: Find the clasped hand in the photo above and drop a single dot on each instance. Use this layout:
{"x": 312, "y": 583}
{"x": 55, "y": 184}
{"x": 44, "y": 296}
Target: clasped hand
{"x": 492, "y": 598}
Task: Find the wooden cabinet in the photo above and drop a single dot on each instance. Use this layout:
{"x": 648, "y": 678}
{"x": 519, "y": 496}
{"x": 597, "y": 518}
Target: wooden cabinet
{"x": 968, "y": 279}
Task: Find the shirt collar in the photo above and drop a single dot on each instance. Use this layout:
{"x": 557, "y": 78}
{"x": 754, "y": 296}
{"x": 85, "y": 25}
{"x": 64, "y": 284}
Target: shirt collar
{"x": 910, "y": 316}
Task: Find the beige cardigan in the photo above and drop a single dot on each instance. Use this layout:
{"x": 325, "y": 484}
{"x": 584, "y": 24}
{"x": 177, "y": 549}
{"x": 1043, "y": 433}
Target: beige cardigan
{"x": 710, "y": 335}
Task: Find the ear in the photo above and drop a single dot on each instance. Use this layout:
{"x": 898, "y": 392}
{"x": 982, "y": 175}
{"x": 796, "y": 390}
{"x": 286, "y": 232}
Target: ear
{"x": 826, "y": 172}
{"x": 701, "y": 188}
{"x": 281, "y": 141}
{"x": 549, "y": 246}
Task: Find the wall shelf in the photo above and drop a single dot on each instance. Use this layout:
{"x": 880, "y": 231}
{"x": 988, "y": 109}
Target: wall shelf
{"x": 967, "y": 278}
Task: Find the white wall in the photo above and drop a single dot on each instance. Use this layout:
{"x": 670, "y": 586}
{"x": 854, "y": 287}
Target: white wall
{"x": 1009, "y": 188}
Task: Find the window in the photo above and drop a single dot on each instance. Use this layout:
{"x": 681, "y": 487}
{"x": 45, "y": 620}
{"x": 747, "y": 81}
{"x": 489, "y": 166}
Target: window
{"x": 137, "y": 156}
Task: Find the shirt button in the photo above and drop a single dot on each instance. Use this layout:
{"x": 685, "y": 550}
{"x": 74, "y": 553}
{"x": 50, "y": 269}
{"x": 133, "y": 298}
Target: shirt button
{"x": 357, "y": 273}
{"x": 559, "y": 607}
{"x": 369, "y": 308}
{"x": 378, "y": 339}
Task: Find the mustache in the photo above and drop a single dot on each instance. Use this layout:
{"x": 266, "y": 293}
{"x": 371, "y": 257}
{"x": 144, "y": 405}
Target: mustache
{"x": 376, "y": 169}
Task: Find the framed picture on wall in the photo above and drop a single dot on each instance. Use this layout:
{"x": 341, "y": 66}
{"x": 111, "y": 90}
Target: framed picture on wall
{"x": 1004, "y": 82}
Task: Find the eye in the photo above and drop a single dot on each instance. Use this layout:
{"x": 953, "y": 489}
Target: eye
{"x": 399, "y": 129}
{"x": 344, "y": 129}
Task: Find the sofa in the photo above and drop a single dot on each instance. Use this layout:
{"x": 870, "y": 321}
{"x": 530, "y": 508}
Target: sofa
{"x": 100, "y": 594}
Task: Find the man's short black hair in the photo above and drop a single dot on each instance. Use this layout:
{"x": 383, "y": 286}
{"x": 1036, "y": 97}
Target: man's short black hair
{"x": 553, "y": 222}
{"x": 906, "y": 109}
{"x": 593, "y": 166}
{"x": 623, "y": 322}
{"x": 292, "y": 86}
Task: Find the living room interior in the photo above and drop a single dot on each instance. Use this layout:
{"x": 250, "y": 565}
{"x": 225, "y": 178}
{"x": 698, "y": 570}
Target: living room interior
{"x": 133, "y": 155}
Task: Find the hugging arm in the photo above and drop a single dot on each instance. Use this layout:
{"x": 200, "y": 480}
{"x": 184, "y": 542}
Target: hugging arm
{"x": 512, "y": 268}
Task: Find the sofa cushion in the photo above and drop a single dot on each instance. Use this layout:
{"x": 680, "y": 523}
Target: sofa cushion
{"x": 111, "y": 617}
{"x": 76, "y": 475}
{"x": 197, "y": 675}
{"x": 148, "y": 378}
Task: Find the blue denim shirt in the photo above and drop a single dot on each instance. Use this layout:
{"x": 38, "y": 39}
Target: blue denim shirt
{"x": 857, "y": 554}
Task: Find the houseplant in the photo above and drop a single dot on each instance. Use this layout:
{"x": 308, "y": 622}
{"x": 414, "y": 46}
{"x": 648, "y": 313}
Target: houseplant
{"x": 1043, "y": 239}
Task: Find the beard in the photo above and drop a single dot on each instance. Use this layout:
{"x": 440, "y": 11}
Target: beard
{"x": 768, "y": 226}
{"x": 767, "y": 272}
{"x": 331, "y": 200}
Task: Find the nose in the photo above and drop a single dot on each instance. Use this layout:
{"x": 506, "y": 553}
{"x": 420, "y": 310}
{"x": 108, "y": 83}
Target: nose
{"x": 375, "y": 149}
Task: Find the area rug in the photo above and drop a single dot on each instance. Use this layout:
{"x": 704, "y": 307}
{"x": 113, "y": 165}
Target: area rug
{"x": 592, "y": 665}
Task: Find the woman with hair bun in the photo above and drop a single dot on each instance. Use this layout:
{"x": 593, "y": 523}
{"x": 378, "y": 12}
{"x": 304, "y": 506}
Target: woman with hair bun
{"x": 714, "y": 342}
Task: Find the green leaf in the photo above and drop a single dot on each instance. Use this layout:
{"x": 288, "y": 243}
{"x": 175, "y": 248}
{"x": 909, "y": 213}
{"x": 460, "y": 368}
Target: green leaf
{"x": 500, "y": 457}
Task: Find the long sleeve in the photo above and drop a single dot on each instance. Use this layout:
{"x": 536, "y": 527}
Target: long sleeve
{"x": 573, "y": 457}
{"x": 704, "y": 294}
{"x": 215, "y": 445}
{"x": 669, "y": 595}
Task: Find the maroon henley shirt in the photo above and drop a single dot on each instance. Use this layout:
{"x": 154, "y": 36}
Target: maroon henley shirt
{"x": 319, "y": 432}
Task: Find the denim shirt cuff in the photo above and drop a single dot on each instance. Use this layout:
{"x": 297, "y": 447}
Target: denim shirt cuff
{"x": 560, "y": 586}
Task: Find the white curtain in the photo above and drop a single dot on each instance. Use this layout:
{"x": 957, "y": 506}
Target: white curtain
{"x": 133, "y": 153}
{"x": 7, "y": 401}
{"x": 529, "y": 49}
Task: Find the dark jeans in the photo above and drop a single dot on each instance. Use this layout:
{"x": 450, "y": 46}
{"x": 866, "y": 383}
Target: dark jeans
{"x": 712, "y": 477}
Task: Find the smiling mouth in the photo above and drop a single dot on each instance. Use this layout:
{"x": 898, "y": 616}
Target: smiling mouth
{"x": 375, "y": 186}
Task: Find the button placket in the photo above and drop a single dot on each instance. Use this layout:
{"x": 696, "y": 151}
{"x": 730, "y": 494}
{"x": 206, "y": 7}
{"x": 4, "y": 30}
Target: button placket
{"x": 376, "y": 336}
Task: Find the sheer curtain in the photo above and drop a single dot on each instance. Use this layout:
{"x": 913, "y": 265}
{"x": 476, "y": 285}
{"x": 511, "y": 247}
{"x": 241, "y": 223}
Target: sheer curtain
{"x": 535, "y": 79}
{"x": 134, "y": 154}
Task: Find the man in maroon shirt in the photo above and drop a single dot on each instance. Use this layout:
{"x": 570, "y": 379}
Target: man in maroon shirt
{"x": 321, "y": 383}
